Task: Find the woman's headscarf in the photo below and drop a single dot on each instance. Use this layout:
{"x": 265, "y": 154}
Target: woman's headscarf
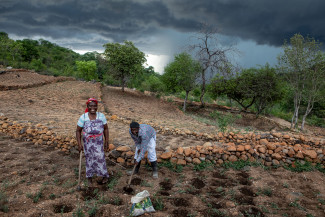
{"x": 89, "y": 101}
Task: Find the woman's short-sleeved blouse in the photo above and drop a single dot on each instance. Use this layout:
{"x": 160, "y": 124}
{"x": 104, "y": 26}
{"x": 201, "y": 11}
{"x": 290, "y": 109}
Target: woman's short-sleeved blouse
{"x": 85, "y": 117}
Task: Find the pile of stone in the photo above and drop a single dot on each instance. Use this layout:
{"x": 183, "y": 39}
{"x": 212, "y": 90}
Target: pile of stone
{"x": 268, "y": 149}
{"x": 38, "y": 134}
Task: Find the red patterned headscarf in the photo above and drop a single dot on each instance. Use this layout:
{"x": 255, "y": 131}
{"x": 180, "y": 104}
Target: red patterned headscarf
{"x": 89, "y": 101}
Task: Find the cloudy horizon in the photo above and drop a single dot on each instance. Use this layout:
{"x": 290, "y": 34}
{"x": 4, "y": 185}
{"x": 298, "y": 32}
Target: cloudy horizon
{"x": 162, "y": 29}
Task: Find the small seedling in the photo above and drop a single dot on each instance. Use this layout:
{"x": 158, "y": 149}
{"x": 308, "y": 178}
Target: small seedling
{"x": 296, "y": 204}
{"x": 37, "y": 196}
{"x": 286, "y": 185}
{"x": 219, "y": 189}
{"x": 322, "y": 201}
{"x": 158, "y": 203}
{"x": 3, "y": 202}
{"x": 216, "y": 212}
{"x": 69, "y": 184}
{"x": 265, "y": 191}
{"x": 78, "y": 213}
{"x": 274, "y": 206}
{"x": 93, "y": 209}
{"x": 264, "y": 209}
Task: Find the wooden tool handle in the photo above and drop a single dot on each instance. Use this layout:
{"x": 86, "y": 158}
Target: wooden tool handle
{"x": 80, "y": 158}
{"x": 132, "y": 174}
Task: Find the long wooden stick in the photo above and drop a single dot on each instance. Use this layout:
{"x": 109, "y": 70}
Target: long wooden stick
{"x": 80, "y": 158}
{"x": 132, "y": 175}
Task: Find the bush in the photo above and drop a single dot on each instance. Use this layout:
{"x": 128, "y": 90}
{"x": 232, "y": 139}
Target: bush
{"x": 316, "y": 121}
{"x": 37, "y": 65}
{"x": 153, "y": 84}
{"x": 224, "y": 120}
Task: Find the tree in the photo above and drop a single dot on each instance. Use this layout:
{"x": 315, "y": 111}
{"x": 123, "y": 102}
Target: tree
{"x": 302, "y": 65}
{"x": 30, "y": 49}
{"x": 87, "y": 70}
{"x": 211, "y": 55}
{"x": 255, "y": 86}
{"x": 5, "y": 43}
{"x": 181, "y": 74}
{"x": 312, "y": 92}
{"x": 125, "y": 60}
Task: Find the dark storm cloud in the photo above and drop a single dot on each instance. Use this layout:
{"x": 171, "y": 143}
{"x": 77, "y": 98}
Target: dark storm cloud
{"x": 263, "y": 21}
{"x": 117, "y": 19}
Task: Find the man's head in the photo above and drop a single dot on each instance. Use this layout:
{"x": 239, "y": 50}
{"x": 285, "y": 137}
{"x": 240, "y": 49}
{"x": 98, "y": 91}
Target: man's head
{"x": 135, "y": 128}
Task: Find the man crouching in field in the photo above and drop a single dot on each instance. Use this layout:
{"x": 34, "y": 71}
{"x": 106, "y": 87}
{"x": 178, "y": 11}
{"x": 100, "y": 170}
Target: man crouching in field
{"x": 144, "y": 137}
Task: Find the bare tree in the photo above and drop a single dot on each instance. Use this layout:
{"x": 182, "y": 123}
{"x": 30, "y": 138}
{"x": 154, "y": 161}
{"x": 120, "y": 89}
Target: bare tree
{"x": 213, "y": 57}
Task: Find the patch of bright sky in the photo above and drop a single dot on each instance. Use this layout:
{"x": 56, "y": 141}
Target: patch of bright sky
{"x": 158, "y": 62}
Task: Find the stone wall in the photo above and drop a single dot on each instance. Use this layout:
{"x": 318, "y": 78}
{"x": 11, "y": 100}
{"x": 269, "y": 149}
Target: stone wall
{"x": 272, "y": 148}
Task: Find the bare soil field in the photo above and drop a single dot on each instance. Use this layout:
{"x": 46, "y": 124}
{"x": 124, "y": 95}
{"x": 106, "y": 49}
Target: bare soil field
{"x": 42, "y": 181}
{"x": 13, "y": 79}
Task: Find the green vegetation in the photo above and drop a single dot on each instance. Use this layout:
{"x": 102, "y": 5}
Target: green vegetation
{"x": 181, "y": 75}
{"x": 114, "y": 181}
{"x": 52, "y": 196}
{"x": 297, "y": 205}
{"x": 171, "y": 166}
{"x": 265, "y": 191}
{"x": 87, "y": 70}
{"x": 158, "y": 203}
{"x": 125, "y": 61}
{"x": 3, "y": 202}
{"x": 258, "y": 87}
{"x": 302, "y": 64}
{"x": 294, "y": 92}
{"x": 93, "y": 209}
{"x": 224, "y": 120}
{"x": 78, "y": 213}
{"x": 204, "y": 165}
{"x": 37, "y": 196}
{"x": 306, "y": 166}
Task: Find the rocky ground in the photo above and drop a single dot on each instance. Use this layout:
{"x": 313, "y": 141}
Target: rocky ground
{"x": 38, "y": 180}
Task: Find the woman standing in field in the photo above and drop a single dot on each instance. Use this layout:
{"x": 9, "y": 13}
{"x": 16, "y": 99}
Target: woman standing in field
{"x": 93, "y": 126}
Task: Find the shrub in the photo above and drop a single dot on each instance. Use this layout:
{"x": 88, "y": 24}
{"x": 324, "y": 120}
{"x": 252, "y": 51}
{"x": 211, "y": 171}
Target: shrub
{"x": 153, "y": 84}
{"x": 224, "y": 120}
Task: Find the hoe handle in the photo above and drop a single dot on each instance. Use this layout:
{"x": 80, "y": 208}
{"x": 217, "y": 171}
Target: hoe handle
{"x": 129, "y": 182}
{"x": 79, "y": 167}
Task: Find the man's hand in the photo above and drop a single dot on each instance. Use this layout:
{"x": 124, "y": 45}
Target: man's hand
{"x": 135, "y": 162}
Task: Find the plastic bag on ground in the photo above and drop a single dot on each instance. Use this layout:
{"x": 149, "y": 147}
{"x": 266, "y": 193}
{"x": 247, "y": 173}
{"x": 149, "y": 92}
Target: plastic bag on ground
{"x": 141, "y": 204}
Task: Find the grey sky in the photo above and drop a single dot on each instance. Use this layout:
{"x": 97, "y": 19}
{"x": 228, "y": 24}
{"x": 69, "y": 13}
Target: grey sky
{"x": 258, "y": 27}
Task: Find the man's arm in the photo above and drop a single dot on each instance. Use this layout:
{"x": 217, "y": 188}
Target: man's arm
{"x": 144, "y": 148}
